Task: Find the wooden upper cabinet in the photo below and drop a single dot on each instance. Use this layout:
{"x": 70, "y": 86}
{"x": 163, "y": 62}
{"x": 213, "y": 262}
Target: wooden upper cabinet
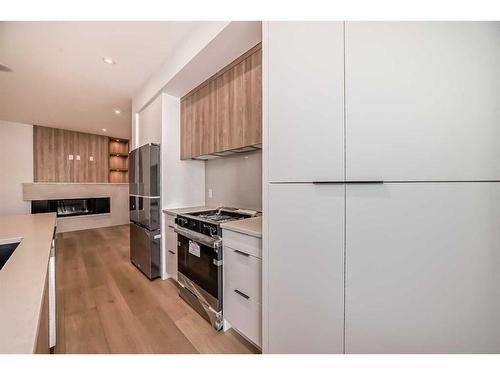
{"x": 187, "y": 127}
{"x": 204, "y": 113}
{"x": 248, "y": 99}
{"x": 225, "y": 112}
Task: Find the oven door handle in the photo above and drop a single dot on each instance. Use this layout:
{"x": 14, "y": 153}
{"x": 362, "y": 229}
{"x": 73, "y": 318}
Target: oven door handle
{"x": 198, "y": 237}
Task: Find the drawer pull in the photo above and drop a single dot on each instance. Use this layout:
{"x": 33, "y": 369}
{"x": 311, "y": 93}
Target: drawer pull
{"x": 241, "y": 294}
{"x": 241, "y": 253}
{"x": 171, "y": 252}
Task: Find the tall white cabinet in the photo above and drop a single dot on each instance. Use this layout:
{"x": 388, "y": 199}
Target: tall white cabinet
{"x": 422, "y": 100}
{"x": 305, "y": 89}
{"x": 408, "y": 265}
{"x": 306, "y": 268}
{"x": 422, "y": 263}
{"x": 303, "y": 265}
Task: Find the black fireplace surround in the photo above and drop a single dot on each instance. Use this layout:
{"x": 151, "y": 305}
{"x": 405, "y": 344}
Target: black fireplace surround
{"x": 72, "y": 207}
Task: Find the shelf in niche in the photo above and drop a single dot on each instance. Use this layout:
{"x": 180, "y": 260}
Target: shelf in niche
{"x": 118, "y": 160}
{"x": 118, "y": 169}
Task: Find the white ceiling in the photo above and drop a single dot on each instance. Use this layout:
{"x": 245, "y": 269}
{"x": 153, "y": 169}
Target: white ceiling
{"x": 58, "y": 78}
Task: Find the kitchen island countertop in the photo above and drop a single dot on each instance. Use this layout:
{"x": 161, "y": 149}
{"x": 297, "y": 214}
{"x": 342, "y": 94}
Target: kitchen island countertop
{"x": 23, "y": 278}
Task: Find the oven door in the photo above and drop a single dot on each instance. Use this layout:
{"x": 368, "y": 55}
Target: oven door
{"x": 201, "y": 264}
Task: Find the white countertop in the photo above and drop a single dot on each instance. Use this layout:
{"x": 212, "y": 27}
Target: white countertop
{"x": 184, "y": 210}
{"x": 251, "y": 226}
{"x": 22, "y": 279}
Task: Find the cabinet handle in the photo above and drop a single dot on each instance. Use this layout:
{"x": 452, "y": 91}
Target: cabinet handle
{"x": 347, "y": 182}
{"x": 241, "y": 294}
{"x": 365, "y": 182}
{"x": 241, "y": 253}
{"x": 171, "y": 252}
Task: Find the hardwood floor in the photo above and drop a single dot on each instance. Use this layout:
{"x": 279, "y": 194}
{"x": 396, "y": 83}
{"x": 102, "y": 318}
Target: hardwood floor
{"x": 106, "y": 305}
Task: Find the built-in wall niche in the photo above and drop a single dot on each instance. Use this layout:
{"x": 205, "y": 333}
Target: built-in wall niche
{"x": 118, "y": 160}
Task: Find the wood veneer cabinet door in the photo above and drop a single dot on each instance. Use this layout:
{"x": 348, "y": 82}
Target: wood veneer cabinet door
{"x": 252, "y": 133}
{"x": 208, "y": 111}
{"x": 239, "y": 104}
{"x": 225, "y": 112}
{"x": 198, "y": 122}
{"x": 187, "y": 127}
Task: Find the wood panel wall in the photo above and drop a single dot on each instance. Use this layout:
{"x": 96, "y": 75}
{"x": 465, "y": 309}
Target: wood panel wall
{"x": 51, "y": 150}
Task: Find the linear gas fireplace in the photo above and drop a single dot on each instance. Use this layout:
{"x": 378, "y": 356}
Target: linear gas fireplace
{"x": 72, "y": 207}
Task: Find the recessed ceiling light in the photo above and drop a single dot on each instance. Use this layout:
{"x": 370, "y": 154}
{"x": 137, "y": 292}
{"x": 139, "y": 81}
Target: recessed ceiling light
{"x": 104, "y": 130}
{"x": 109, "y": 61}
{"x": 118, "y": 112}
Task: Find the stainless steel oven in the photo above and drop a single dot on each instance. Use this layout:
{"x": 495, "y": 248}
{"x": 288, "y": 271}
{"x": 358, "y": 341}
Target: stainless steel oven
{"x": 200, "y": 273}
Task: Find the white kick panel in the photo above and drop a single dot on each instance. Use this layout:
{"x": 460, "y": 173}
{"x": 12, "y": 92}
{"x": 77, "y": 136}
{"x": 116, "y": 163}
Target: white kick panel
{"x": 305, "y": 101}
{"x": 423, "y": 268}
{"x": 305, "y": 266}
{"x": 422, "y": 101}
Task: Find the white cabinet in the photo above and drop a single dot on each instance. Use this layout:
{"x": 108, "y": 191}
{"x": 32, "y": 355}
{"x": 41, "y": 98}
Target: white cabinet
{"x": 304, "y": 74}
{"x": 243, "y": 284}
{"x": 171, "y": 247}
{"x": 422, "y": 101}
{"x": 423, "y": 265}
{"x": 305, "y": 269}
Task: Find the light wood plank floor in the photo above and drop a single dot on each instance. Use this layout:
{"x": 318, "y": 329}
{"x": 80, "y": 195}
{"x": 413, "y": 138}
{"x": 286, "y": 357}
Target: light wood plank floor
{"x": 106, "y": 305}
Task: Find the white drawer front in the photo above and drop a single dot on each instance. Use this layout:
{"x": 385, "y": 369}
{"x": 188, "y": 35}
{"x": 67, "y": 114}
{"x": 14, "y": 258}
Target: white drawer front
{"x": 244, "y": 315}
{"x": 171, "y": 239}
{"x": 243, "y": 242}
{"x": 172, "y": 263}
{"x": 169, "y": 220}
{"x": 243, "y": 272}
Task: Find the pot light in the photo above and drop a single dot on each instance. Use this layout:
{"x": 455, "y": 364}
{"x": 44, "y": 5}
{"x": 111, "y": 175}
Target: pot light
{"x": 109, "y": 61}
{"x": 118, "y": 112}
{"x": 104, "y": 130}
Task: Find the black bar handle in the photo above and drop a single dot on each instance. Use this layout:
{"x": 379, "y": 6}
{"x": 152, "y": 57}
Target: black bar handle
{"x": 242, "y": 253}
{"x": 171, "y": 252}
{"x": 328, "y": 182}
{"x": 348, "y": 182}
{"x": 241, "y": 294}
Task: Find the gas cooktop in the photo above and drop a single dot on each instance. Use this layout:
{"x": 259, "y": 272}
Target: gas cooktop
{"x": 219, "y": 216}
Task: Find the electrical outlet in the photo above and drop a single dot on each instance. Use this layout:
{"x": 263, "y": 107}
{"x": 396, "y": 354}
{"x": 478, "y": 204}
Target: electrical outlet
{"x": 91, "y": 158}
{"x": 77, "y": 157}
{"x": 210, "y": 193}
{"x": 70, "y": 157}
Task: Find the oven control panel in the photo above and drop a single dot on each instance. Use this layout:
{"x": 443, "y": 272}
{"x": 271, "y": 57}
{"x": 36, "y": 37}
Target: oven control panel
{"x": 198, "y": 226}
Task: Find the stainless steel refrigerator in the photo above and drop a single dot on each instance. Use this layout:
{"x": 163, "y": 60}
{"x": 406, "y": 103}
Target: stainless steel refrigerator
{"x": 145, "y": 209}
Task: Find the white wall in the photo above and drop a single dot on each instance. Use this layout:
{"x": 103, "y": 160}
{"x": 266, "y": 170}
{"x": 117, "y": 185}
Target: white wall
{"x": 190, "y": 47}
{"x": 183, "y": 181}
{"x": 16, "y": 166}
{"x": 148, "y": 126}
